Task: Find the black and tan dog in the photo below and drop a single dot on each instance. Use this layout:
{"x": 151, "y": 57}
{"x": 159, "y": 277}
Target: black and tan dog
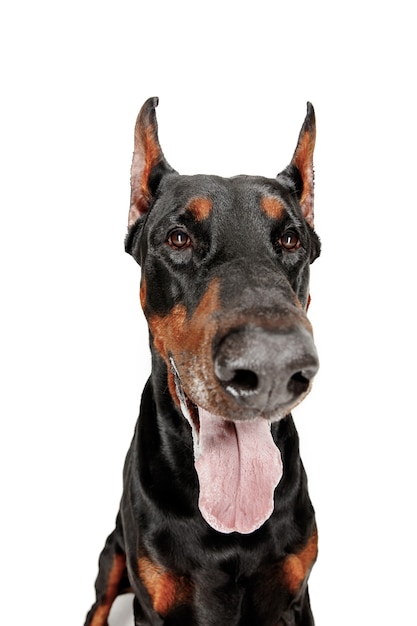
{"x": 216, "y": 527}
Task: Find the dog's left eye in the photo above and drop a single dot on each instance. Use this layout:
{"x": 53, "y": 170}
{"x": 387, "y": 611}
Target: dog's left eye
{"x": 289, "y": 241}
{"x": 179, "y": 239}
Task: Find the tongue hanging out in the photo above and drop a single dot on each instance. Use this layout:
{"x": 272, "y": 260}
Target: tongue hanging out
{"x": 238, "y": 466}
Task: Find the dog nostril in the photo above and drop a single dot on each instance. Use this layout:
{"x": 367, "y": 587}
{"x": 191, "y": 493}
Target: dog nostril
{"x": 244, "y": 381}
{"x": 298, "y": 384}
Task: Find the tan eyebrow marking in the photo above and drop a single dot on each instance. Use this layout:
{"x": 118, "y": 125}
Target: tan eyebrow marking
{"x": 272, "y": 207}
{"x": 200, "y": 208}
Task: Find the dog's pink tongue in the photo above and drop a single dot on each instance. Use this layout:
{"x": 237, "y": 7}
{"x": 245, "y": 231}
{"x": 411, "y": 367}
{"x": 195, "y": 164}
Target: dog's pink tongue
{"x": 238, "y": 467}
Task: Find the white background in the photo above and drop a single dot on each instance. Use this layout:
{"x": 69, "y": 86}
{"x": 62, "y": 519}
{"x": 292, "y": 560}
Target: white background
{"x": 233, "y": 80}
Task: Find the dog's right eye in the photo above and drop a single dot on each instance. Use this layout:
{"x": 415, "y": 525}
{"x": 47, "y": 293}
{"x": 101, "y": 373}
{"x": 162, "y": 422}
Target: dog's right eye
{"x": 179, "y": 239}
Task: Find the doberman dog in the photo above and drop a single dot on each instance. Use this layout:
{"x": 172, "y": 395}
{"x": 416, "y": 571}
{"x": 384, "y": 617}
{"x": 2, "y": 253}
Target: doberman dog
{"x": 216, "y": 527}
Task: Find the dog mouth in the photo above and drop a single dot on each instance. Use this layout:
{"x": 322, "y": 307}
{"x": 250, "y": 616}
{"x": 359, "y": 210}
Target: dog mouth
{"x": 238, "y": 466}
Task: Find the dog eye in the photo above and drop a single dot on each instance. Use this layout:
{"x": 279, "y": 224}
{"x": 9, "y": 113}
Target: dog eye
{"x": 179, "y": 239}
{"x": 289, "y": 240}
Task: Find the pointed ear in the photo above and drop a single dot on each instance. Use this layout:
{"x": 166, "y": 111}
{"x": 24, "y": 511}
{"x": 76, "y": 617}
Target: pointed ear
{"x": 301, "y": 167}
{"x": 148, "y": 164}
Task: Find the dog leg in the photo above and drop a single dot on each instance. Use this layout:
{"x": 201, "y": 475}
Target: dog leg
{"x": 143, "y": 620}
{"x": 299, "y": 614}
{"x": 111, "y": 581}
{"x": 306, "y": 617}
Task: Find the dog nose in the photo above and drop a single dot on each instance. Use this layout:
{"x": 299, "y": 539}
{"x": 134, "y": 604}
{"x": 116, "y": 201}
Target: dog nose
{"x": 266, "y": 370}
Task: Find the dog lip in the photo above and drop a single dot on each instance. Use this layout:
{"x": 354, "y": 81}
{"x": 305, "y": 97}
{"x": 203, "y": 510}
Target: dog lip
{"x": 188, "y": 407}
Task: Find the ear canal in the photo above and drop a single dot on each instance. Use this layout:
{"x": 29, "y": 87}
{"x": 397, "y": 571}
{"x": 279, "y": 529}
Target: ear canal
{"x": 148, "y": 164}
{"x": 301, "y": 169}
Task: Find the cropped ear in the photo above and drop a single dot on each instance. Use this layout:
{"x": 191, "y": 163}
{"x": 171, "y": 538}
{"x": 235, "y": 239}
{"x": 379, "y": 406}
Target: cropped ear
{"x": 301, "y": 169}
{"x": 148, "y": 164}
